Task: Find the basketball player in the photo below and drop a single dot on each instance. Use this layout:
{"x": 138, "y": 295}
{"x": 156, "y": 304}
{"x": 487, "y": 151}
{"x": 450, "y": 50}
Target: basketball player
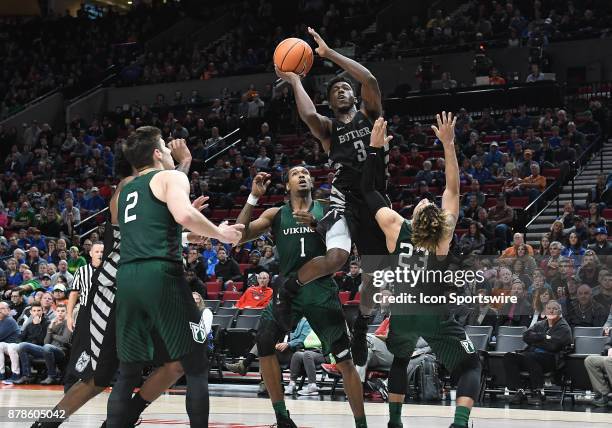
{"x": 94, "y": 355}
{"x": 317, "y": 301}
{"x": 346, "y": 139}
{"x": 430, "y": 229}
{"x": 156, "y": 315}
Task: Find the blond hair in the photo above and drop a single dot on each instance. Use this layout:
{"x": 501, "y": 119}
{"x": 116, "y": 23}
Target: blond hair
{"x": 429, "y": 227}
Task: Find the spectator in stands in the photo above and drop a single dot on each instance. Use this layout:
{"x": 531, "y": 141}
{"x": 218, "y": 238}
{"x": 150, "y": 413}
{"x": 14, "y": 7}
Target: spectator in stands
{"x": 535, "y": 75}
{"x": 595, "y": 215}
{"x": 517, "y": 241}
{"x": 514, "y": 139}
{"x": 268, "y": 259}
{"x": 351, "y": 281}
{"x": 54, "y": 351}
{"x": 418, "y": 137}
{"x": 305, "y": 361}
{"x": 584, "y": 311}
{"x": 589, "y": 126}
{"x": 601, "y": 247}
{"x": 70, "y": 213}
{"x": 502, "y": 285}
{"x": 472, "y": 242}
{"x": 546, "y": 341}
{"x": 46, "y": 302}
{"x": 195, "y": 262}
{"x": 414, "y": 162}
{"x": 426, "y": 174}
{"x": 257, "y": 296}
{"x": 470, "y": 214}
{"x": 17, "y": 304}
{"x": 494, "y": 155}
{"x": 13, "y": 275}
{"x": 556, "y": 233}
{"x": 226, "y": 270}
{"x": 598, "y": 367}
{"x": 604, "y": 297}
{"x": 501, "y": 216}
{"x": 519, "y": 313}
{"x": 397, "y": 162}
{"x": 240, "y": 253}
{"x": 9, "y": 333}
{"x": 24, "y": 216}
{"x": 62, "y": 270}
{"x": 483, "y": 313}
{"x": 210, "y": 257}
{"x": 480, "y": 173}
{"x": 532, "y": 185}
{"x": 565, "y": 154}
{"x": 528, "y": 262}
{"x": 34, "y": 333}
{"x": 51, "y": 224}
{"x": 75, "y": 260}
{"x": 539, "y": 301}
{"x": 195, "y": 283}
{"x": 474, "y": 191}
{"x": 588, "y": 272}
{"x": 511, "y": 185}
{"x": 249, "y": 276}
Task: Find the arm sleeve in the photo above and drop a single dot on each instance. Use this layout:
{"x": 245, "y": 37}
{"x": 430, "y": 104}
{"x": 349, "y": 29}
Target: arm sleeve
{"x": 373, "y": 170}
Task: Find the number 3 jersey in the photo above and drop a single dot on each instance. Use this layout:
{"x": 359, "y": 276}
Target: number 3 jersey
{"x": 348, "y": 152}
{"x": 148, "y": 229}
{"x": 296, "y": 243}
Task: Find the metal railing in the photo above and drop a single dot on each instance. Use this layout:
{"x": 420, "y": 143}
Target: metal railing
{"x": 578, "y": 165}
{"x": 102, "y": 211}
{"x": 544, "y": 196}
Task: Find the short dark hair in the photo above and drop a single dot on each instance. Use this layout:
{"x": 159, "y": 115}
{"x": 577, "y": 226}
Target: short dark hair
{"x": 61, "y": 305}
{"x": 35, "y": 304}
{"x": 335, "y": 80}
{"x": 139, "y": 147}
{"x": 122, "y": 167}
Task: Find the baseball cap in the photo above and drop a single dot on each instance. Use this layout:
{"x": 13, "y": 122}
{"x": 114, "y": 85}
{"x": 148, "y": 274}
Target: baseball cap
{"x": 74, "y": 248}
{"x": 94, "y": 189}
{"x": 601, "y": 229}
{"x": 46, "y": 276}
{"x": 494, "y": 143}
{"x": 61, "y": 287}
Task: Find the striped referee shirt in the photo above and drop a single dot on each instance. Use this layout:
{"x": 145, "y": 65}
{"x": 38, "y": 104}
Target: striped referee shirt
{"x": 82, "y": 282}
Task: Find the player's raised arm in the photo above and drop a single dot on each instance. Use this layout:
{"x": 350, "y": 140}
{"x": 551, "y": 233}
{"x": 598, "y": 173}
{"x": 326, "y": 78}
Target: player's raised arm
{"x": 176, "y": 196}
{"x": 181, "y": 154}
{"x": 445, "y": 131}
{"x": 389, "y": 221}
{"x": 319, "y": 125}
{"x": 370, "y": 92}
{"x": 261, "y": 225}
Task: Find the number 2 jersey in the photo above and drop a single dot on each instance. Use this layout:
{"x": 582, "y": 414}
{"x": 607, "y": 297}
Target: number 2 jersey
{"x": 348, "y": 152}
{"x": 148, "y": 229}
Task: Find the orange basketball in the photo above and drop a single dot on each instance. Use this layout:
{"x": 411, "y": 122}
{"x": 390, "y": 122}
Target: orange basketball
{"x": 293, "y": 55}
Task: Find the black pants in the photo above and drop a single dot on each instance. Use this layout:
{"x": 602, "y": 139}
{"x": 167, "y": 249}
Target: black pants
{"x": 536, "y": 363}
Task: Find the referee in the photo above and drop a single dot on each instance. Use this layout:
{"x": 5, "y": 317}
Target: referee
{"x": 82, "y": 283}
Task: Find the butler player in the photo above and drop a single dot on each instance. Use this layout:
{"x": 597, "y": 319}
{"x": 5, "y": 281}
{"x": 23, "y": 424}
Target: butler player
{"x": 346, "y": 138}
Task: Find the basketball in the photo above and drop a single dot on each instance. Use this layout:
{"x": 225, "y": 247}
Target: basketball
{"x": 293, "y": 55}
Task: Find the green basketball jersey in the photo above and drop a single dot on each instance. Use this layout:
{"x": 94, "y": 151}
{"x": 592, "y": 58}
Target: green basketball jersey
{"x": 296, "y": 242}
{"x": 404, "y": 238}
{"x": 148, "y": 230}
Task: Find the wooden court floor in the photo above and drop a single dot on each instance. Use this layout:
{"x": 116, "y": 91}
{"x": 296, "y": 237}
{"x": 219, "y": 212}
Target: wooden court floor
{"x": 249, "y": 412}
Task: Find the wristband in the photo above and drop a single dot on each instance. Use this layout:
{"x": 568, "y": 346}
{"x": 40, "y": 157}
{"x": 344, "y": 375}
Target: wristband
{"x": 252, "y": 200}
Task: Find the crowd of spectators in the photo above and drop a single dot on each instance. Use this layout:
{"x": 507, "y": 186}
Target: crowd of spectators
{"x": 497, "y": 23}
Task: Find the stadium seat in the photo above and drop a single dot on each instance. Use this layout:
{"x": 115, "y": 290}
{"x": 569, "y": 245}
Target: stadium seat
{"x": 228, "y": 311}
{"x": 243, "y": 267}
{"x": 479, "y": 329}
{"x": 251, "y": 311}
{"x": 228, "y": 303}
{"x": 505, "y": 330}
{"x": 213, "y": 286}
{"x": 590, "y": 344}
{"x": 231, "y": 295}
{"x": 509, "y": 343}
{"x": 344, "y": 296}
{"x": 223, "y": 321}
{"x": 247, "y": 321}
{"x": 213, "y": 305}
{"x": 588, "y": 331}
{"x": 518, "y": 201}
{"x": 480, "y": 341}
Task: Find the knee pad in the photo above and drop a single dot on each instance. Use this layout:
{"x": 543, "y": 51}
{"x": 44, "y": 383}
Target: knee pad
{"x": 341, "y": 349}
{"x": 195, "y": 363}
{"x": 469, "y": 374}
{"x": 267, "y": 337}
{"x": 398, "y": 378}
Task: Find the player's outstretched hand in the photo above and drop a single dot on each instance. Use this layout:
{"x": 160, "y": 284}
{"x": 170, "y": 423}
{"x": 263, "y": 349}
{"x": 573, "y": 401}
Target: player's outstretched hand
{"x": 323, "y": 49}
{"x": 179, "y": 150}
{"x": 304, "y": 217}
{"x": 379, "y": 137}
{"x": 445, "y": 131}
{"x": 288, "y": 76}
{"x": 200, "y": 203}
{"x": 260, "y": 184}
{"x": 230, "y": 234}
